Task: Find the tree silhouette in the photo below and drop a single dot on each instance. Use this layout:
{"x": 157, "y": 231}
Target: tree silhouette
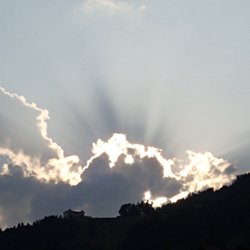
{"x": 140, "y": 209}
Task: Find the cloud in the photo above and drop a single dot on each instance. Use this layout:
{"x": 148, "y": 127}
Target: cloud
{"x": 35, "y": 169}
{"x": 27, "y": 199}
{"x": 112, "y": 5}
{"x": 103, "y": 189}
{"x": 25, "y": 142}
{"x": 139, "y": 59}
{"x": 142, "y": 7}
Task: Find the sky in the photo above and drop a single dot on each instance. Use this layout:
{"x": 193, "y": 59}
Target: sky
{"x": 172, "y": 75}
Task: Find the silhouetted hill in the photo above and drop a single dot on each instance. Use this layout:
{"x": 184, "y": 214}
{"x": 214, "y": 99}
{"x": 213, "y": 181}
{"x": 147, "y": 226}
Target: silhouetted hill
{"x": 207, "y": 220}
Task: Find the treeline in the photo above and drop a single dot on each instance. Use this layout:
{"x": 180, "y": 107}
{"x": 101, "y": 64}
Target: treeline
{"x": 53, "y": 232}
{"x": 140, "y": 209}
{"x": 206, "y": 220}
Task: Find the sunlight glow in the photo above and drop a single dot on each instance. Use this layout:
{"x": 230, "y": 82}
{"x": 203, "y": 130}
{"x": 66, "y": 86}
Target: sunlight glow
{"x": 198, "y": 172}
{"x": 5, "y": 170}
{"x": 157, "y": 202}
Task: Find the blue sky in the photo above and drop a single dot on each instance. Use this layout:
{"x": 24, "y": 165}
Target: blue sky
{"x": 171, "y": 74}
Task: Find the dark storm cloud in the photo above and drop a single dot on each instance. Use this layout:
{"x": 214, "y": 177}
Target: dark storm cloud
{"x": 101, "y": 193}
{"x": 26, "y": 199}
{"x": 104, "y": 189}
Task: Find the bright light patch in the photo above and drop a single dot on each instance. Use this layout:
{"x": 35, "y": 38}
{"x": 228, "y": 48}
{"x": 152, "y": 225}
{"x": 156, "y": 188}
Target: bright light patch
{"x": 129, "y": 159}
{"x": 179, "y": 196}
{"x": 157, "y": 202}
{"x": 147, "y": 196}
{"x": 5, "y": 170}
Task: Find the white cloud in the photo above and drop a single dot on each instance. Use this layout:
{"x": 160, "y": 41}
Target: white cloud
{"x": 202, "y": 171}
{"x": 143, "y": 7}
{"x": 112, "y": 5}
{"x": 25, "y": 141}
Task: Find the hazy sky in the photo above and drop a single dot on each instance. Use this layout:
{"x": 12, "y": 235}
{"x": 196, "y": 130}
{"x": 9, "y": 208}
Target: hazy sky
{"x": 171, "y": 74}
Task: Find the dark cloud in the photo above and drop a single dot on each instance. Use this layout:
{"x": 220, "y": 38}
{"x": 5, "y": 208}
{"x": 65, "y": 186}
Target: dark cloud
{"x": 27, "y": 199}
{"x": 104, "y": 189}
{"x": 101, "y": 193}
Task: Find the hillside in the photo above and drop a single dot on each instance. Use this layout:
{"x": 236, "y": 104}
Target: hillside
{"x": 207, "y": 220}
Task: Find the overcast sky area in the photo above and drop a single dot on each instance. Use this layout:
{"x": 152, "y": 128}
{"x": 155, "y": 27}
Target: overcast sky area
{"x": 174, "y": 74}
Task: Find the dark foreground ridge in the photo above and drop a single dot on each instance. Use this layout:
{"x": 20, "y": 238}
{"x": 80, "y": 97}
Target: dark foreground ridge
{"x": 207, "y": 220}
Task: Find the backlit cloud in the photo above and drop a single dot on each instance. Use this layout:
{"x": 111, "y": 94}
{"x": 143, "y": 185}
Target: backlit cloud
{"x": 118, "y": 171}
{"x": 25, "y": 142}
